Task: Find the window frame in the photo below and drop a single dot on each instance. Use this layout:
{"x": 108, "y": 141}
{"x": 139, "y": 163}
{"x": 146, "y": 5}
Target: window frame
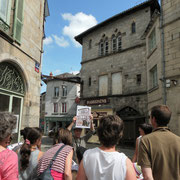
{"x": 55, "y": 107}
{"x": 64, "y": 91}
{"x": 133, "y": 27}
{"x": 56, "y": 93}
{"x": 153, "y": 77}
{"x": 101, "y": 48}
{"x": 152, "y": 41}
{"x": 114, "y": 44}
{"x": 119, "y": 42}
{"x": 8, "y": 12}
{"x": 63, "y": 107}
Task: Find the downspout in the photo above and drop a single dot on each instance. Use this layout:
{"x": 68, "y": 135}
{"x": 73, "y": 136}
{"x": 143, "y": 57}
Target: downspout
{"x": 164, "y": 95}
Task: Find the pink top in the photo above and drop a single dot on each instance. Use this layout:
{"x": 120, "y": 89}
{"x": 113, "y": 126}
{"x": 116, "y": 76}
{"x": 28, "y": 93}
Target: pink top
{"x": 56, "y": 175}
{"x": 8, "y": 165}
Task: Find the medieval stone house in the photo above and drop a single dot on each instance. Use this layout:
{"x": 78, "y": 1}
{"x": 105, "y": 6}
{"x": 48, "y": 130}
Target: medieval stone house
{"x": 113, "y": 68}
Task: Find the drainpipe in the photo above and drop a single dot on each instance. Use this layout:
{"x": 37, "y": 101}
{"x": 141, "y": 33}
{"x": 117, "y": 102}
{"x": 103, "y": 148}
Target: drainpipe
{"x": 164, "y": 96}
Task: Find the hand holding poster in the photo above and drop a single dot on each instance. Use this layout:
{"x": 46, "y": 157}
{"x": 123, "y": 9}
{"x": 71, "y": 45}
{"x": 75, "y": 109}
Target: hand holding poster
{"x": 83, "y": 117}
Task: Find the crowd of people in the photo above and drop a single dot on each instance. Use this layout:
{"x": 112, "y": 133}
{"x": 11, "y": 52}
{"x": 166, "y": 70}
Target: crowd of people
{"x": 156, "y": 157}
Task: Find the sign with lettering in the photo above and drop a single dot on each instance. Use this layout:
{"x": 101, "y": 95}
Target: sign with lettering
{"x": 97, "y": 101}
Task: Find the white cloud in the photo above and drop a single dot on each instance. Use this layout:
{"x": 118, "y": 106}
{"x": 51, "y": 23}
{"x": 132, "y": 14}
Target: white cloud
{"x": 56, "y": 72}
{"x": 74, "y": 72}
{"x": 60, "y": 41}
{"x": 78, "y": 23}
{"x": 47, "y": 40}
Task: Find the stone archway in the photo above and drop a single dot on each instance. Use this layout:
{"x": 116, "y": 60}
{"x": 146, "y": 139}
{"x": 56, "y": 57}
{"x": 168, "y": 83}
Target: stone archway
{"x": 12, "y": 90}
{"x": 132, "y": 118}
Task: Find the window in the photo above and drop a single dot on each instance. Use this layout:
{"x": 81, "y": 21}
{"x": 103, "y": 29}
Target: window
{"x": 64, "y": 108}
{"x": 89, "y": 81}
{"x": 117, "y": 83}
{"x": 56, "y": 91}
{"x": 103, "y": 85}
{"x": 153, "y": 77}
{"x": 5, "y": 9}
{"x": 90, "y": 43}
{"x": 119, "y": 43}
{"x": 18, "y": 22}
{"x": 55, "y": 107}
{"x": 152, "y": 41}
{"x": 114, "y": 44}
{"x": 106, "y": 47}
{"x": 138, "y": 78}
{"x": 133, "y": 27}
{"x": 101, "y": 49}
{"x": 64, "y": 90}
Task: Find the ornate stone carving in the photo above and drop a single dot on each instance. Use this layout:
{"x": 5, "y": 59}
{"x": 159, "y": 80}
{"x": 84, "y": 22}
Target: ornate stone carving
{"x": 10, "y": 79}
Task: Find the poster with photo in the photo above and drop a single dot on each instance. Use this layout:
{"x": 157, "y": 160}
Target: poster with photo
{"x": 83, "y": 117}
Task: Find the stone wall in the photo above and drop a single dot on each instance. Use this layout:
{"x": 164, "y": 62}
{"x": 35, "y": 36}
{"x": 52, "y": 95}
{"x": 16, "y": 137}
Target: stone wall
{"x": 171, "y": 14}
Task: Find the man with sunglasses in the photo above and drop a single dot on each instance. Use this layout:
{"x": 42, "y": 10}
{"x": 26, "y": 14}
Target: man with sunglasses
{"x": 159, "y": 152}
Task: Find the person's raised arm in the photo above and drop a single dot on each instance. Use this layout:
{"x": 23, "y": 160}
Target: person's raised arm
{"x": 68, "y": 164}
{"x": 72, "y": 123}
{"x": 130, "y": 172}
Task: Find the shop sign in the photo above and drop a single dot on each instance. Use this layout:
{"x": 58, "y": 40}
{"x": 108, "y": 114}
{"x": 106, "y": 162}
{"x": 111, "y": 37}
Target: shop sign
{"x": 97, "y": 101}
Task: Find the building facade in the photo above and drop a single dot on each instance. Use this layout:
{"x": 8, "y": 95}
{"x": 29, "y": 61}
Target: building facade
{"x": 21, "y": 38}
{"x": 163, "y": 63}
{"x": 113, "y": 68}
{"x": 60, "y": 101}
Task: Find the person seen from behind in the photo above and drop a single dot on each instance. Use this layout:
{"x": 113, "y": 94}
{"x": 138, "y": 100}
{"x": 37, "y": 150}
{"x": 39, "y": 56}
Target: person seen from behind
{"x": 159, "y": 151}
{"x": 61, "y": 167}
{"x": 29, "y": 155}
{"x": 144, "y": 129}
{"x": 8, "y": 158}
{"x": 104, "y": 162}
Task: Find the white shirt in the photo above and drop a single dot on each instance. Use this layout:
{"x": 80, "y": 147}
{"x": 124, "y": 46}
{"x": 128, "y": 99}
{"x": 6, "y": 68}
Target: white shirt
{"x": 101, "y": 165}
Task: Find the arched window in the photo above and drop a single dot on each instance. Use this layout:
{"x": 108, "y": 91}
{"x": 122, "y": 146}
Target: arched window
{"x": 119, "y": 42}
{"x": 101, "y": 48}
{"x": 133, "y": 27}
{"x": 106, "y": 46}
{"x": 114, "y": 44}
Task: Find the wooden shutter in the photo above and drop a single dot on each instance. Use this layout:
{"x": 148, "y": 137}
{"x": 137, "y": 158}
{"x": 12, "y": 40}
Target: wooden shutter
{"x": 18, "y": 21}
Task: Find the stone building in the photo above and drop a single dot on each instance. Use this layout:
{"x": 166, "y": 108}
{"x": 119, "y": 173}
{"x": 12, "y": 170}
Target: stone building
{"x": 60, "y": 101}
{"x": 163, "y": 60}
{"x": 113, "y": 68}
{"x": 21, "y": 38}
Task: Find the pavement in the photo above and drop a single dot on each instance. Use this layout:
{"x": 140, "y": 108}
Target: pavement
{"x": 47, "y": 143}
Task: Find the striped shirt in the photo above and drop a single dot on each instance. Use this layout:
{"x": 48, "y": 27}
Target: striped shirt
{"x": 59, "y": 163}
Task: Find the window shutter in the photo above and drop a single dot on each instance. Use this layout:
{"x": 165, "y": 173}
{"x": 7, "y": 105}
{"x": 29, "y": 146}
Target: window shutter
{"x": 18, "y": 22}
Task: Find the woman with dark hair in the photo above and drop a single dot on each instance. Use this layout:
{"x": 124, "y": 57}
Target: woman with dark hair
{"x": 144, "y": 129}
{"x": 104, "y": 162}
{"x": 61, "y": 167}
{"x": 29, "y": 155}
{"x": 8, "y": 158}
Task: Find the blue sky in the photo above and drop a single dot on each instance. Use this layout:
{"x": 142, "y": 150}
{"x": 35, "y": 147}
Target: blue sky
{"x": 67, "y": 19}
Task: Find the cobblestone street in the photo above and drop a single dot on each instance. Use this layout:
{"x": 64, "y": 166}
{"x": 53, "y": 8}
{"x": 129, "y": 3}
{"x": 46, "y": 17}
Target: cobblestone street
{"x": 47, "y": 143}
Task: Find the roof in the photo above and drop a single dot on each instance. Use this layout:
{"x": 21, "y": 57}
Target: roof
{"x": 152, "y": 3}
{"x": 62, "y": 77}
